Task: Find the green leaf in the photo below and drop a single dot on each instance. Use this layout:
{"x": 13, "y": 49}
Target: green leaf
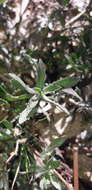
{"x": 49, "y": 150}
{"x": 66, "y": 2}
{"x": 4, "y": 136}
{"x": 52, "y": 164}
{"x": 62, "y": 83}
{"x": 21, "y": 83}
{"x": 6, "y": 124}
{"x": 38, "y": 90}
{"x": 56, "y": 143}
{"x": 2, "y": 100}
{"x": 8, "y": 97}
{"x": 2, "y": 91}
{"x": 17, "y": 85}
{"x": 40, "y": 75}
{"x": 11, "y": 98}
{"x": 55, "y": 182}
{"x": 24, "y": 115}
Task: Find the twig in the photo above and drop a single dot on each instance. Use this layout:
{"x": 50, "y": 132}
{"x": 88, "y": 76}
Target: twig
{"x": 12, "y": 154}
{"x": 15, "y": 177}
{"x": 75, "y": 167}
{"x": 75, "y": 18}
{"x": 69, "y": 186}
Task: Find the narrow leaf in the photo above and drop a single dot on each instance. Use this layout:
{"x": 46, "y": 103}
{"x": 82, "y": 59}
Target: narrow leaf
{"x": 62, "y": 83}
{"x": 56, "y": 143}
{"x": 24, "y": 115}
{"x": 18, "y": 79}
{"x": 72, "y": 92}
{"x": 2, "y": 100}
{"x": 11, "y": 98}
{"x": 40, "y": 75}
{"x": 2, "y": 91}
{"x": 8, "y": 97}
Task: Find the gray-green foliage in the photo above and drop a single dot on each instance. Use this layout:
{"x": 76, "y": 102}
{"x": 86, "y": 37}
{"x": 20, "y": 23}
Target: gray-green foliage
{"x": 32, "y": 98}
{"x": 69, "y": 51}
{"x": 41, "y": 91}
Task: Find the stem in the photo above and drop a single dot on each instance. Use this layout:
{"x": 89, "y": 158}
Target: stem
{"x": 75, "y": 167}
{"x": 40, "y": 162}
{"x": 68, "y": 186}
{"x": 74, "y": 19}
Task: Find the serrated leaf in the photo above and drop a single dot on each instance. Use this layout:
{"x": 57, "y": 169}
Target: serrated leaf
{"x": 41, "y": 76}
{"x": 62, "y": 83}
{"x": 21, "y": 83}
{"x": 24, "y": 115}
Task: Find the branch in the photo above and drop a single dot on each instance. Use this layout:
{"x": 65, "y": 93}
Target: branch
{"x": 75, "y": 18}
